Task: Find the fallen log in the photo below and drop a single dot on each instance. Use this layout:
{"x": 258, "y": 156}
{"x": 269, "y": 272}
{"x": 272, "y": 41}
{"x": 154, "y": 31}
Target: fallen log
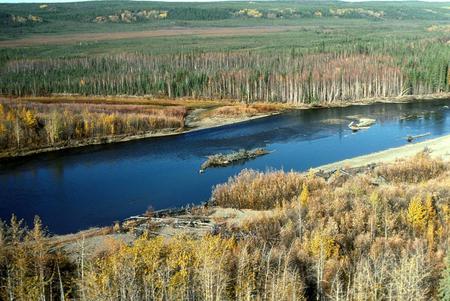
{"x": 412, "y": 138}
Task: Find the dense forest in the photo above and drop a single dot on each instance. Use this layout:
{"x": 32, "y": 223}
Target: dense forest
{"x": 379, "y": 235}
{"x": 322, "y": 75}
{"x": 325, "y": 51}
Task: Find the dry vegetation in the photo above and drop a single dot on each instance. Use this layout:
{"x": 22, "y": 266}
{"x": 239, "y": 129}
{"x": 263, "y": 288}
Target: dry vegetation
{"x": 378, "y": 235}
{"x": 30, "y": 125}
{"x": 34, "y": 124}
{"x": 387, "y": 229}
{"x": 241, "y": 110}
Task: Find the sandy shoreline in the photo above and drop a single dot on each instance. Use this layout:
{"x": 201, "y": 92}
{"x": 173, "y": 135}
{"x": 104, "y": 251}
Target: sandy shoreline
{"x": 95, "y": 239}
{"x": 438, "y": 147}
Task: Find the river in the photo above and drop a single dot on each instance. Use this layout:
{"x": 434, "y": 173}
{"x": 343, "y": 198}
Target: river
{"x": 97, "y": 185}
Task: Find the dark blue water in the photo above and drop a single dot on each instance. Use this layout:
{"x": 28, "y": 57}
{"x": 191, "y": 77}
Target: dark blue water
{"x": 75, "y": 189}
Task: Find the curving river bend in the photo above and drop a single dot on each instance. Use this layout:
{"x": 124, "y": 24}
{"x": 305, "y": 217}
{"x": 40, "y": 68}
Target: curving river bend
{"x": 94, "y": 186}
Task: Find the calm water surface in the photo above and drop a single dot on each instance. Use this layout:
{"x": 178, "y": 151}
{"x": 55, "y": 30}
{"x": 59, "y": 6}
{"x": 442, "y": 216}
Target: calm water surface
{"x": 93, "y": 186}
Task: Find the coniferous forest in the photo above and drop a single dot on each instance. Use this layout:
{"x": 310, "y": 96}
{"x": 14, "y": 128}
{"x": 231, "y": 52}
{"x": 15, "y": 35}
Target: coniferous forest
{"x": 325, "y": 76}
{"x": 321, "y": 52}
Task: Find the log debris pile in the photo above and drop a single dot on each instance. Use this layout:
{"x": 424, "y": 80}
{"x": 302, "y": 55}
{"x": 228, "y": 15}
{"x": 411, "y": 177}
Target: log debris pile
{"x": 170, "y": 223}
{"x": 221, "y": 160}
{"x": 363, "y": 123}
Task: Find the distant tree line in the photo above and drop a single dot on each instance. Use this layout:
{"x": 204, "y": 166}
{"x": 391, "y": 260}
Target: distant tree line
{"x": 355, "y": 71}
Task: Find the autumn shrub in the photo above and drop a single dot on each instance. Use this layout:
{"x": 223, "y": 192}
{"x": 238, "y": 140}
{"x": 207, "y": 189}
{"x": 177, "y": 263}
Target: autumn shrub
{"x": 351, "y": 240}
{"x": 27, "y": 125}
{"x": 267, "y": 273}
{"x": 414, "y": 170}
{"x": 355, "y": 238}
{"x": 180, "y": 268}
{"x": 256, "y": 190}
{"x": 234, "y": 111}
{"x": 262, "y": 107}
{"x": 29, "y": 268}
{"x": 401, "y": 276}
{"x": 245, "y": 110}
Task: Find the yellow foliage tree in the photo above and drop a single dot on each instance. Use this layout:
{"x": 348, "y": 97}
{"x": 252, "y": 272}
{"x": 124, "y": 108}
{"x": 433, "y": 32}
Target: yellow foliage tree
{"x": 430, "y": 210}
{"x": 29, "y": 118}
{"x": 11, "y": 116}
{"x": 374, "y": 199}
{"x": 213, "y": 257}
{"x": 110, "y": 121}
{"x": 304, "y": 195}
{"x": 323, "y": 244}
{"x": 179, "y": 261}
{"x": 416, "y": 214}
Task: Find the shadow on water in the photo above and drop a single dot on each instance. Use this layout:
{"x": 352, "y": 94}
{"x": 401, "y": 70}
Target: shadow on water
{"x": 91, "y": 186}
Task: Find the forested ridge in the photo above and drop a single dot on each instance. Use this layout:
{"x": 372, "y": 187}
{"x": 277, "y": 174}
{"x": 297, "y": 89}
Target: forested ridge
{"x": 62, "y": 14}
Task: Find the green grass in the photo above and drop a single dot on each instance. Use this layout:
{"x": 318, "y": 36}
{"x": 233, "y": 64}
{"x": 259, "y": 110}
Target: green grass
{"x": 78, "y": 17}
{"x": 312, "y": 34}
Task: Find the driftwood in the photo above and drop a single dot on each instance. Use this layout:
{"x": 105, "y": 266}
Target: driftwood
{"x": 363, "y": 123}
{"x": 412, "y": 138}
{"x": 419, "y": 115}
{"x": 352, "y": 171}
{"x": 410, "y": 117}
{"x": 221, "y": 160}
{"x": 158, "y": 222}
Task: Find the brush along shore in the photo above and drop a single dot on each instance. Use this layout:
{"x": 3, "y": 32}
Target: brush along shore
{"x": 28, "y": 124}
{"x": 43, "y": 124}
{"x": 209, "y": 217}
{"x": 379, "y": 215}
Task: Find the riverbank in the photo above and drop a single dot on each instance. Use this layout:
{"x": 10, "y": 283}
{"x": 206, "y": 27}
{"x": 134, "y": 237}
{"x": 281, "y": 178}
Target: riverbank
{"x": 172, "y": 222}
{"x": 209, "y": 218}
{"x": 125, "y": 138}
{"x": 438, "y": 148}
{"x": 201, "y": 114}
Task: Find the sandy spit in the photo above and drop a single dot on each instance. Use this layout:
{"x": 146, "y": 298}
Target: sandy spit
{"x": 438, "y": 147}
